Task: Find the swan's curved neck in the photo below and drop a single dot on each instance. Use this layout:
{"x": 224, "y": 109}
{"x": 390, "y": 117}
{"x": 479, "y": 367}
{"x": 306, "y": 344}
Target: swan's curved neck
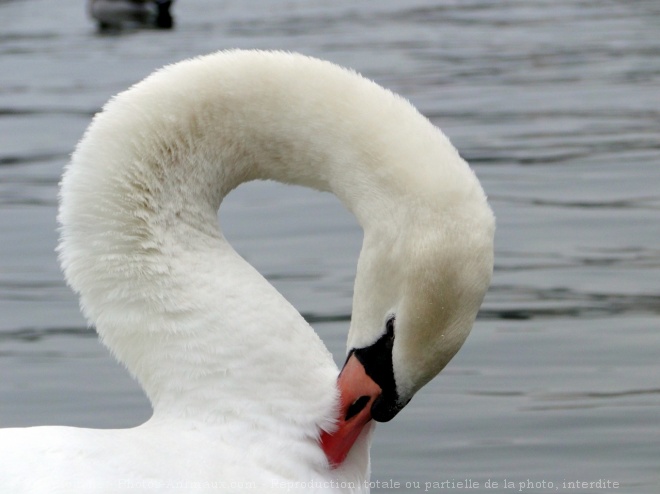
{"x": 141, "y": 241}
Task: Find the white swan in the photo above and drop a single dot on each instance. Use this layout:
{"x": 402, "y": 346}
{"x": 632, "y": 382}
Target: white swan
{"x": 242, "y": 388}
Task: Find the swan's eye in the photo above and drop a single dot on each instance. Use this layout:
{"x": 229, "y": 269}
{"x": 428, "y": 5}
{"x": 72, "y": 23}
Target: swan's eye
{"x": 389, "y": 327}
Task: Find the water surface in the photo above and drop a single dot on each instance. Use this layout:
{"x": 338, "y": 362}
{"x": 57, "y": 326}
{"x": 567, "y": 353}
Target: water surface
{"x": 556, "y": 106}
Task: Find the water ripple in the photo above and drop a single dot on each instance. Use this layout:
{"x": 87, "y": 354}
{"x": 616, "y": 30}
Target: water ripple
{"x": 36, "y": 334}
{"x": 41, "y": 290}
{"x": 22, "y": 159}
{"x": 644, "y": 202}
{"x": 548, "y": 303}
{"x": 9, "y": 112}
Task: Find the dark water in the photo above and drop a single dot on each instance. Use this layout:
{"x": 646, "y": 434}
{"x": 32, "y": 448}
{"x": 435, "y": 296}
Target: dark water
{"x": 557, "y": 107}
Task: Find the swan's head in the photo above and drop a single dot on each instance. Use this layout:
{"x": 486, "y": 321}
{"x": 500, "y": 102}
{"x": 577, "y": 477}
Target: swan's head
{"x": 416, "y": 297}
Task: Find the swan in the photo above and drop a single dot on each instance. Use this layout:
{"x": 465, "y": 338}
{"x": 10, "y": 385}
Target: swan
{"x": 114, "y": 14}
{"x": 244, "y": 393}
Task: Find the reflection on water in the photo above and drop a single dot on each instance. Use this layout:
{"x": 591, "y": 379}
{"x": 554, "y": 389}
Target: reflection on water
{"x": 554, "y": 104}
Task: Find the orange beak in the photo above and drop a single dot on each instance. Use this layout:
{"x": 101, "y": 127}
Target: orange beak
{"x": 357, "y": 392}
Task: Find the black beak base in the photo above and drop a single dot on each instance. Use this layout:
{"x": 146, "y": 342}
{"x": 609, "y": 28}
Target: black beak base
{"x": 377, "y": 362}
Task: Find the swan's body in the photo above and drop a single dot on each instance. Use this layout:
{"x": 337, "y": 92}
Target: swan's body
{"x": 240, "y": 384}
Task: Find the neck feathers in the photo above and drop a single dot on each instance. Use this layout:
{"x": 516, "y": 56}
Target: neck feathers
{"x": 140, "y": 241}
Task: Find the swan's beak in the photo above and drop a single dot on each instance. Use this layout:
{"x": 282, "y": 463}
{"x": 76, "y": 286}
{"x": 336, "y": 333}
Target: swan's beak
{"x": 357, "y": 392}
